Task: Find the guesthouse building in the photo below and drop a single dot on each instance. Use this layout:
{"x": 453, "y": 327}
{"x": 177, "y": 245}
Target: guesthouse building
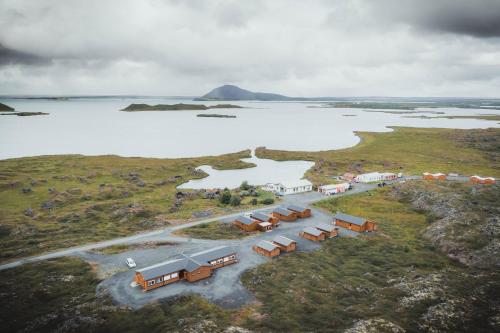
{"x": 284, "y": 214}
{"x": 312, "y": 234}
{"x": 246, "y": 223}
{"x": 267, "y": 249}
{"x": 329, "y": 230}
{"x": 333, "y": 188}
{"x": 433, "y": 176}
{"x": 285, "y": 244}
{"x": 354, "y": 223}
{"x": 286, "y": 188}
{"x": 300, "y": 211}
{"x": 191, "y": 268}
{"x": 265, "y": 218}
{"x": 482, "y": 180}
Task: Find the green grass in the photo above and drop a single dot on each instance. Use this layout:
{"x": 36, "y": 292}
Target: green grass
{"x": 214, "y": 230}
{"x": 355, "y": 278}
{"x": 120, "y": 248}
{"x": 407, "y": 150}
{"x": 59, "y": 295}
{"x": 109, "y": 201}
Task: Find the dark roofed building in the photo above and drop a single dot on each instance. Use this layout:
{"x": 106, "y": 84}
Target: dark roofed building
{"x": 284, "y": 214}
{"x": 301, "y": 211}
{"x": 285, "y": 244}
{"x": 267, "y": 249}
{"x": 312, "y": 234}
{"x": 265, "y": 218}
{"x": 354, "y": 223}
{"x": 246, "y": 223}
{"x": 191, "y": 268}
{"x": 328, "y": 229}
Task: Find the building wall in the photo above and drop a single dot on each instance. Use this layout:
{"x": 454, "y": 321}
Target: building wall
{"x": 329, "y": 234}
{"x": 312, "y": 237}
{"x": 432, "y": 177}
{"x": 367, "y": 226}
{"x": 290, "y": 218}
{"x": 225, "y": 261}
{"x": 246, "y": 227}
{"x": 270, "y": 254}
{"x": 202, "y": 272}
{"x": 290, "y": 248}
{"x": 146, "y": 284}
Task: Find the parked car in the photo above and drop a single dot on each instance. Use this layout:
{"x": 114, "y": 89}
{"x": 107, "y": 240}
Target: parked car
{"x": 130, "y": 262}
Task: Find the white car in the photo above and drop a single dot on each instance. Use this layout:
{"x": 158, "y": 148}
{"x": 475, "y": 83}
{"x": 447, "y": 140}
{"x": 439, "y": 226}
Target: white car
{"x": 130, "y": 262}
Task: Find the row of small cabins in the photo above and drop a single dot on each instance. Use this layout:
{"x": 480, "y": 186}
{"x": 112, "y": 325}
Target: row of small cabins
{"x": 266, "y": 222}
{"x": 473, "y": 179}
{"x": 201, "y": 265}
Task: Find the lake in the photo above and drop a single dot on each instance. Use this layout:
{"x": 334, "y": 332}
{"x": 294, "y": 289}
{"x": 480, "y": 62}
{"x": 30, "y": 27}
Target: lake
{"x": 95, "y": 126}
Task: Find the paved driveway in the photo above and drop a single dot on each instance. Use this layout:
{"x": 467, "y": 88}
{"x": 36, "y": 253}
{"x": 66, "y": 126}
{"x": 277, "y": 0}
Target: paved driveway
{"x": 224, "y": 287}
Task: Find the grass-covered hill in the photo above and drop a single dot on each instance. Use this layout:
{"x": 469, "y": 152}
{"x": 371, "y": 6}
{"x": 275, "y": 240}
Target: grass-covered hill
{"x": 177, "y": 107}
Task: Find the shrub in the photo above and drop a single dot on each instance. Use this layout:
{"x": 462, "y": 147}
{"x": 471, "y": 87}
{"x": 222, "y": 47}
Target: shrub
{"x": 267, "y": 201}
{"x": 225, "y": 197}
{"x": 235, "y": 200}
{"x": 254, "y": 201}
{"x": 244, "y": 186}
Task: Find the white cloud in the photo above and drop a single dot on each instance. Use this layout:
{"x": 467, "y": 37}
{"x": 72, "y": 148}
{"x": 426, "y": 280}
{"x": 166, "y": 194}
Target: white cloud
{"x": 298, "y": 48}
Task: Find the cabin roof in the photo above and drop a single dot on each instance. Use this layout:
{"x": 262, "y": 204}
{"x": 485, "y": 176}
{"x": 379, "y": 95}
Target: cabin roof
{"x": 188, "y": 263}
{"x": 213, "y": 253}
{"x": 282, "y": 240}
{"x": 297, "y": 183}
{"x": 244, "y": 220}
{"x": 283, "y": 211}
{"x": 349, "y": 218}
{"x": 268, "y": 246}
{"x": 296, "y": 208}
{"x": 264, "y": 224}
{"x": 260, "y": 216}
{"x": 325, "y": 227}
{"x": 312, "y": 231}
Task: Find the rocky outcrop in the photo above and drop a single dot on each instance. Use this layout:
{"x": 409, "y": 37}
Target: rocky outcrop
{"x": 464, "y": 219}
{"x": 376, "y": 325}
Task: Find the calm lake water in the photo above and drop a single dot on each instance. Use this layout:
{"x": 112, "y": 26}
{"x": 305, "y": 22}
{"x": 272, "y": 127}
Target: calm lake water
{"x": 97, "y": 127}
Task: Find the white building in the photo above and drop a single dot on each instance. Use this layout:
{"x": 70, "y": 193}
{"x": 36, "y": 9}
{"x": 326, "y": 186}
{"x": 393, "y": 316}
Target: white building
{"x": 375, "y": 177}
{"x": 333, "y": 188}
{"x": 284, "y": 188}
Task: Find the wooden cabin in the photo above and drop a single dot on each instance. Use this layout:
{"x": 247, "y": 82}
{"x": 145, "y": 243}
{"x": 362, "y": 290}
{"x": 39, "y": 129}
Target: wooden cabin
{"x": 284, "y": 214}
{"x": 266, "y": 218}
{"x": 267, "y": 249}
{"x": 354, "y": 223}
{"x": 433, "y": 176}
{"x": 246, "y": 223}
{"x": 300, "y": 211}
{"x": 191, "y": 268}
{"x": 482, "y": 180}
{"x": 285, "y": 244}
{"x": 329, "y": 230}
{"x": 312, "y": 234}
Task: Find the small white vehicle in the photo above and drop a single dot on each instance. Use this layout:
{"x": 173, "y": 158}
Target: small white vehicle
{"x": 130, "y": 262}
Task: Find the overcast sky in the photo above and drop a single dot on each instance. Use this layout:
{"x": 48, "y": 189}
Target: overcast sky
{"x": 297, "y": 48}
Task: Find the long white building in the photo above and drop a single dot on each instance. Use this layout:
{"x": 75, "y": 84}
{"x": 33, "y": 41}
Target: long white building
{"x": 284, "y": 188}
{"x": 375, "y": 177}
{"x": 333, "y": 188}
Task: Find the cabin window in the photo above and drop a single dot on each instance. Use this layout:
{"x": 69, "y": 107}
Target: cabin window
{"x": 213, "y": 263}
{"x": 159, "y": 280}
{"x": 166, "y": 277}
{"x": 151, "y": 282}
{"x": 220, "y": 261}
{"x": 232, "y": 257}
{"x": 174, "y": 275}
{"x": 226, "y": 259}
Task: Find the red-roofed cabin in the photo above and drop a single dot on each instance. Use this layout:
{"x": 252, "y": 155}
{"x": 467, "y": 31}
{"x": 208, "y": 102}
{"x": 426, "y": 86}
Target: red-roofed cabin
{"x": 433, "y": 176}
{"x": 482, "y": 180}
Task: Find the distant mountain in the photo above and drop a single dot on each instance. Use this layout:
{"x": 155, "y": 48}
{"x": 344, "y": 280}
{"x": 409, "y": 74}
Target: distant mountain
{"x": 234, "y": 93}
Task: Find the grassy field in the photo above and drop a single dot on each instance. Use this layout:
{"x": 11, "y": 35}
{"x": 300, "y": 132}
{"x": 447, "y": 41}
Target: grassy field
{"x": 115, "y": 249}
{"x": 214, "y": 230}
{"x": 53, "y": 202}
{"x": 407, "y": 150}
{"x": 395, "y": 275}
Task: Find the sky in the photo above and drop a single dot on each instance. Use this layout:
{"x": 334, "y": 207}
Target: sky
{"x": 296, "y": 48}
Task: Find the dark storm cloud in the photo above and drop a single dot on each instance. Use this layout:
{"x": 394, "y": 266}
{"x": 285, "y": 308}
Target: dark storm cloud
{"x": 14, "y": 57}
{"x": 478, "y": 18}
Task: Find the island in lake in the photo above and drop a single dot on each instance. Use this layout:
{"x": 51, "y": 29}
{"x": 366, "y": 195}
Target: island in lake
{"x": 6, "y": 108}
{"x": 12, "y": 112}
{"x": 213, "y": 115}
{"x": 177, "y": 107}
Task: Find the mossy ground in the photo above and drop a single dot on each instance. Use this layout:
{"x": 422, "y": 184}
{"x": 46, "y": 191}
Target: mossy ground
{"x": 214, "y": 230}
{"x": 97, "y": 198}
{"x": 407, "y": 150}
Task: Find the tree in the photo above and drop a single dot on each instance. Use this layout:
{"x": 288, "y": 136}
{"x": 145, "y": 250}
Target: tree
{"x": 244, "y": 186}
{"x": 225, "y": 197}
{"x": 235, "y": 200}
